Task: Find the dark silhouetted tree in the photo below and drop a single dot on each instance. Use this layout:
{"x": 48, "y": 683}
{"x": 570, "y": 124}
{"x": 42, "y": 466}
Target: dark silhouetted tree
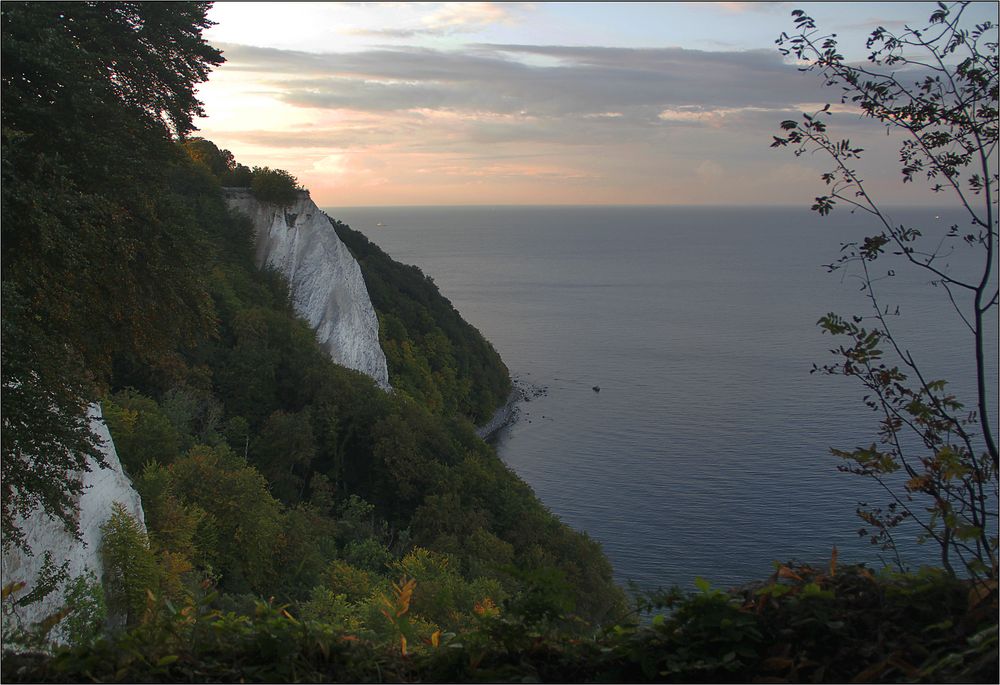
{"x": 102, "y": 252}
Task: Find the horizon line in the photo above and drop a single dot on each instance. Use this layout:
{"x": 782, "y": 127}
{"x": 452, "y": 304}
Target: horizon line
{"x": 628, "y": 205}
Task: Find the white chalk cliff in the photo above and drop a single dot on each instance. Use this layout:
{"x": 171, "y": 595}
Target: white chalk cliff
{"x": 327, "y": 290}
{"x": 102, "y": 487}
{"x": 325, "y": 280}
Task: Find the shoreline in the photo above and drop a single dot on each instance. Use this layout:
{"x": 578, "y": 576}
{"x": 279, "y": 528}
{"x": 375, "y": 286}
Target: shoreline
{"x": 502, "y": 417}
{"x": 521, "y": 391}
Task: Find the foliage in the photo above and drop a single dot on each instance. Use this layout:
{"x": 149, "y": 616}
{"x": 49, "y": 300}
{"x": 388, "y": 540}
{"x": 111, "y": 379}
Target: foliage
{"x": 130, "y": 570}
{"x": 92, "y": 205}
{"x": 48, "y": 380}
{"x": 142, "y": 432}
{"x": 276, "y": 186}
{"x": 84, "y": 595}
{"x": 801, "y": 625}
{"x": 242, "y": 521}
{"x": 945, "y": 454}
{"x": 283, "y": 451}
{"x": 77, "y": 623}
{"x": 265, "y": 469}
{"x": 434, "y": 355}
{"x": 340, "y": 470}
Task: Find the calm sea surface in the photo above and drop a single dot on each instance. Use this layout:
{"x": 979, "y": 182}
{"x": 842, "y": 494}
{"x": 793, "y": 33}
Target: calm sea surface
{"x": 706, "y": 451}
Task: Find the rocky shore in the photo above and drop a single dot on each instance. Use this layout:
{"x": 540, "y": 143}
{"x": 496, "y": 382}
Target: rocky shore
{"x": 502, "y": 417}
{"x": 522, "y": 391}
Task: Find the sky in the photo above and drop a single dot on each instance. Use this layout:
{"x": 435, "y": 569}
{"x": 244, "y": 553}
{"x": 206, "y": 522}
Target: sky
{"x": 483, "y": 103}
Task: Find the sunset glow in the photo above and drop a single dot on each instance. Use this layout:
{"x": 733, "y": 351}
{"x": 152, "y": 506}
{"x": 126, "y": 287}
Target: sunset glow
{"x": 497, "y": 103}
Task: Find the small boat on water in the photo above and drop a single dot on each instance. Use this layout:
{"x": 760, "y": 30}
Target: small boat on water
{"x": 380, "y": 225}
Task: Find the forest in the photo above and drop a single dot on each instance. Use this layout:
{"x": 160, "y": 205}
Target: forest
{"x": 303, "y": 525}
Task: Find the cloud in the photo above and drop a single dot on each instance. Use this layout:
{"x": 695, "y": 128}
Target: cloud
{"x": 421, "y": 98}
{"x": 500, "y": 78}
{"x": 709, "y": 170}
{"x": 454, "y": 18}
{"x": 469, "y": 15}
{"x": 332, "y": 164}
{"x": 756, "y": 7}
{"x": 690, "y": 114}
{"x": 577, "y": 122}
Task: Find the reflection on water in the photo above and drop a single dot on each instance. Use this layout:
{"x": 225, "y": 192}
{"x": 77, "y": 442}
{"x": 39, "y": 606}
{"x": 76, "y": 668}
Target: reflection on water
{"x": 706, "y": 451}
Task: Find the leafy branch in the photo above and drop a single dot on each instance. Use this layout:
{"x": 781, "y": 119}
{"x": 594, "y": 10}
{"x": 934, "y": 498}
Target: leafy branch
{"x": 948, "y": 119}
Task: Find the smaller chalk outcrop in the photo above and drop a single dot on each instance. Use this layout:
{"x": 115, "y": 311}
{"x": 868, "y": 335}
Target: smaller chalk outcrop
{"x": 102, "y": 487}
{"x": 326, "y": 284}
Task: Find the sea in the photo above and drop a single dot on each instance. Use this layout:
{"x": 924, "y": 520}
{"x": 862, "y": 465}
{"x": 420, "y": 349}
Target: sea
{"x": 705, "y": 453}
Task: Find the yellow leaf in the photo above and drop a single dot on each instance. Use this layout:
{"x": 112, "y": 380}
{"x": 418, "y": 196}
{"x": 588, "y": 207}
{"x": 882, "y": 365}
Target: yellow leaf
{"x": 777, "y": 663}
{"x": 435, "y": 638}
{"x": 50, "y": 622}
{"x": 11, "y": 588}
{"x": 403, "y": 595}
{"x": 486, "y": 608}
{"x": 981, "y": 591}
{"x": 785, "y": 572}
{"x": 402, "y": 644}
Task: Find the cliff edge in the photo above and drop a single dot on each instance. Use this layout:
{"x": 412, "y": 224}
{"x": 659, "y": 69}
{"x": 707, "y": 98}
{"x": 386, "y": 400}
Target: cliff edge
{"x": 325, "y": 281}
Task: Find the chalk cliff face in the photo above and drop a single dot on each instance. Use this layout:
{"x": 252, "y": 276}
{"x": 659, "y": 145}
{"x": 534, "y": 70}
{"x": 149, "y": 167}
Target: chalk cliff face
{"x": 326, "y": 284}
{"x": 102, "y": 488}
{"x": 327, "y": 289}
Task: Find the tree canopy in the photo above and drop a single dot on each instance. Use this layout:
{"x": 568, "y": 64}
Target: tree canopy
{"x": 102, "y": 256}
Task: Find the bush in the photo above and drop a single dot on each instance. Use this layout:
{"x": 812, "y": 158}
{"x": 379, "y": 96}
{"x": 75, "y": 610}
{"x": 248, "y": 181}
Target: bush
{"x": 84, "y": 598}
{"x": 801, "y": 625}
{"x": 274, "y": 185}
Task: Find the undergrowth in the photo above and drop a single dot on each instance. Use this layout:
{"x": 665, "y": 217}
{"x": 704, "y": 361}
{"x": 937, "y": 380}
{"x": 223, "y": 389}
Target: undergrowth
{"x": 803, "y": 624}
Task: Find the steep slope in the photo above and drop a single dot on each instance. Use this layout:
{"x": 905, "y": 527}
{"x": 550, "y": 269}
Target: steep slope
{"x": 434, "y": 355}
{"x": 325, "y": 281}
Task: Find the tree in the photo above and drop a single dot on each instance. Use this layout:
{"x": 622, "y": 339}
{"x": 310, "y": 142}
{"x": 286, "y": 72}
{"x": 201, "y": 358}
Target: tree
{"x": 219, "y": 162}
{"x": 274, "y": 185}
{"x": 283, "y": 452}
{"x": 130, "y": 570}
{"x": 102, "y": 251}
{"x": 937, "y": 86}
{"x": 242, "y": 524}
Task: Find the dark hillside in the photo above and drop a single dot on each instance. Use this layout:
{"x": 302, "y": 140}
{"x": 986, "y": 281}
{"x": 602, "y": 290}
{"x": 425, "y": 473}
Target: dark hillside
{"x": 434, "y": 355}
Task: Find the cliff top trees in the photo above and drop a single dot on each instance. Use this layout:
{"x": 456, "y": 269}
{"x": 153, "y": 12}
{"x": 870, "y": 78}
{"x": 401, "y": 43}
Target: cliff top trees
{"x": 937, "y": 86}
{"x": 101, "y": 251}
{"x": 274, "y": 185}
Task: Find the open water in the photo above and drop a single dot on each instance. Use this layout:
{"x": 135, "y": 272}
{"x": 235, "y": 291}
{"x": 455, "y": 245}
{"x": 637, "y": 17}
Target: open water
{"x": 706, "y": 451}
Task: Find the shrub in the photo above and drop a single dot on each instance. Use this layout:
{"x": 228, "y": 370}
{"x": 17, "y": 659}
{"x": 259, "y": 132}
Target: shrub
{"x": 274, "y": 185}
{"x": 84, "y": 598}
